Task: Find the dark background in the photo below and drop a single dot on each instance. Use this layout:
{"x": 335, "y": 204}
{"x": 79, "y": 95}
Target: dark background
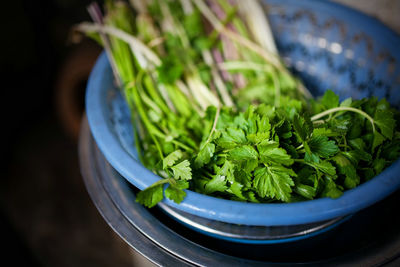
{"x": 46, "y": 215}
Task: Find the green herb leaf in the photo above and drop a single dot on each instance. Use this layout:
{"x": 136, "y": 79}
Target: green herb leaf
{"x": 303, "y": 127}
{"x": 384, "y": 120}
{"x": 231, "y": 137}
{"x": 330, "y": 99}
{"x": 274, "y": 182}
{"x": 331, "y": 189}
{"x": 150, "y": 196}
{"x": 378, "y": 164}
{"x": 346, "y": 168}
{"x": 306, "y": 191}
{"x": 236, "y": 189}
{"x": 182, "y": 170}
{"x": 193, "y": 24}
{"x": 243, "y": 153}
{"x": 204, "y": 155}
{"x": 311, "y": 157}
{"x": 263, "y": 124}
{"x": 217, "y": 183}
{"x": 322, "y": 146}
{"x": 170, "y": 160}
{"x": 269, "y": 154}
{"x": 324, "y": 166}
{"x": 175, "y": 191}
{"x": 257, "y": 138}
{"x": 170, "y": 70}
{"x": 377, "y": 141}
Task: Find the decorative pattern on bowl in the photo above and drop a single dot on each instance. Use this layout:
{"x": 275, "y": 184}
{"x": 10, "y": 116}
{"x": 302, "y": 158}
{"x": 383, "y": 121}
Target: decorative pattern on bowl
{"x": 353, "y": 55}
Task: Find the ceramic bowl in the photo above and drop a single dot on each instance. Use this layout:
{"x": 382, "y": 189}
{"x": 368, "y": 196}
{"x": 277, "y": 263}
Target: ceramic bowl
{"x": 330, "y": 47}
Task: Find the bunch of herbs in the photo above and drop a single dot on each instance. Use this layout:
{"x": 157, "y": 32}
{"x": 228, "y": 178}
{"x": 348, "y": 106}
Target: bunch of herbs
{"x": 216, "y": 111}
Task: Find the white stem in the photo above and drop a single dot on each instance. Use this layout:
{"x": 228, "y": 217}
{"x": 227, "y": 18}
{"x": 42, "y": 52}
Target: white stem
{"x": 139, "y": 6}
{"x": 187, "y": 7}
{"x": 258, "y": 24}
{"x": 223, "y": 91}
{"x": 244, "y": 65}
{"x": 136, "y": 45}
{"x": 183, "y": 88}
{"x": 107, "y": 47}
{"x": 156, "y": 42}
{"x": 201, "y": 93}
{"x": 269, "y": 57}
{"x": 140, "y": 58}
{"x": 165, "y": 96}
{"x": 168, "y": 21}
{"x": 220, "y": 27}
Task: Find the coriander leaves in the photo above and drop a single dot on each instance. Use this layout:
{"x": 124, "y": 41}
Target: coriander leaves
{"x": 267, "y": 154}
{"x": 274, "y": 182}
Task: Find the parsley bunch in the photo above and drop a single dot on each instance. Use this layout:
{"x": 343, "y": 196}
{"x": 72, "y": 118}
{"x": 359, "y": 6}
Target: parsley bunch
{"x": 215, "y": 110}
{"x": 286, "y": 154}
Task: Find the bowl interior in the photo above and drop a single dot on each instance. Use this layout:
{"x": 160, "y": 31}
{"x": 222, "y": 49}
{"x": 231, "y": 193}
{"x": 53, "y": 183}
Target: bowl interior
{"x": 329, "y": 47}
{"x": 333, "y": 47}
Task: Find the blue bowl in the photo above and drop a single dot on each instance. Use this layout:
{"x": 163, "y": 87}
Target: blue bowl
{"x": 330, "y": 47}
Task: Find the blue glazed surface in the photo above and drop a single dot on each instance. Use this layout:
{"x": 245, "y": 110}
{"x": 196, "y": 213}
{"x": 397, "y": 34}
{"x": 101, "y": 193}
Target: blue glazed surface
{"x": 330, "y": 47}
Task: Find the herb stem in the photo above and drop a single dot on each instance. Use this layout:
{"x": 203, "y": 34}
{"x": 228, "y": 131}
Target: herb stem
{"x": 214, "y": 34}
{"x": 137, "y": 46}
{"x": 300, "y": 147}
{"x": 161, "y": 135}
{"x": 154, "y": 94}
{"x": 161, "y": 181}
{"x": 219, "y": 84}
{"x": 337, "y": 109}
{"x": 318, "y": 121}
{"x": 95, "y": 14}
{"x": 277, "y": 96}
{"x": 138, "y": 104}
{"x": 214, "y": 125}
{"x": 221, "y": 28}
{"x": 244, "y": 65}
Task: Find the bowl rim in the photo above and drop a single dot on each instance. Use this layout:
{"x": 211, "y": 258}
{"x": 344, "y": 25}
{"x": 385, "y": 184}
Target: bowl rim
{"x": 271, "y": 214}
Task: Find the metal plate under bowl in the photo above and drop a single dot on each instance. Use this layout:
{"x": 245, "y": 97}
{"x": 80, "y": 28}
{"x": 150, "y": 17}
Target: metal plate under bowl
{"x": 248, "y": 233}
